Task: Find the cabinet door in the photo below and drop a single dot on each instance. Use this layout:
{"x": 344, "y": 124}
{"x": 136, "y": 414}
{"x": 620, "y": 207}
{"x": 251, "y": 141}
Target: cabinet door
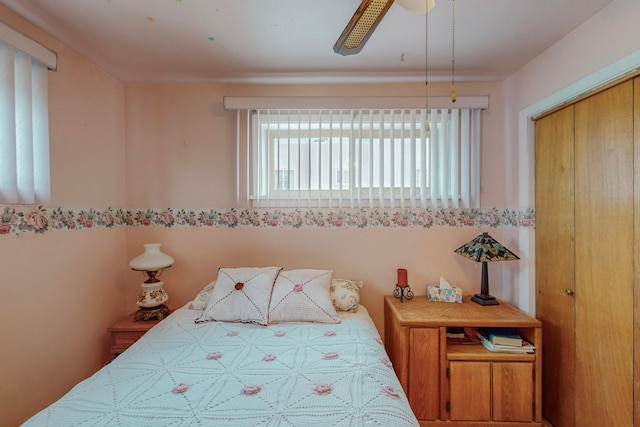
{"x": 512, "y": 392}
{"x": 424, "y": 372}
{"x": 470, "y": 391}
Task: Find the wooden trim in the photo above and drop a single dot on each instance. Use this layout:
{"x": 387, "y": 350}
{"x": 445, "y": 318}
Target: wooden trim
{"x": 631, "y": 75}
{"x": 636, "y": 255}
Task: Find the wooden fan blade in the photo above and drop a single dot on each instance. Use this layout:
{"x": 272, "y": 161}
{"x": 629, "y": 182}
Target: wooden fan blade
{"x": 361, "y": 26}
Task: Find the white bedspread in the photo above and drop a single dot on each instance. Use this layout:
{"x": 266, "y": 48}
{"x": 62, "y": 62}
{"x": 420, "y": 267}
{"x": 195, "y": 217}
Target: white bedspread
{"x": 232, "y": 374}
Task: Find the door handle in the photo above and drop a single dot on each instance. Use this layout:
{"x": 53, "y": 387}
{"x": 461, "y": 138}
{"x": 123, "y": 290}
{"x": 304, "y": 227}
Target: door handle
{"x": 568, "y": 292}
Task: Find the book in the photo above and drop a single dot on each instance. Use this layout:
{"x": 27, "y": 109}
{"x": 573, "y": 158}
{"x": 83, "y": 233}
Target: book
{"x": 501, "y": 348}
{"x": 453, "y": 332}
{"x": 503, "y": 336}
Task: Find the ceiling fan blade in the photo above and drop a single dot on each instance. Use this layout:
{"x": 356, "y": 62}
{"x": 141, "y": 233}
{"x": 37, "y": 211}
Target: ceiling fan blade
{"x": 361, "y": 26}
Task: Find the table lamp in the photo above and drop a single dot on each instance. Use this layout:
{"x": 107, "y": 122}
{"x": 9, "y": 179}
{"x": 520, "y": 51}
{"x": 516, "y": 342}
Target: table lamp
{"x": 485, "y": 248}
{"x": 152, "y": 296}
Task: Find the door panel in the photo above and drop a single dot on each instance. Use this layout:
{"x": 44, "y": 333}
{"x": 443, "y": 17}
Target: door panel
{"x": 636, "y": 280}
{"x": 555, "y": 262}
{"x": 604, "y": 255}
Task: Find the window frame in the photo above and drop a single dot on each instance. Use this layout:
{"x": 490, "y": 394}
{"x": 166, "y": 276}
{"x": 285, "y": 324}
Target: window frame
{"x": 469, "y": 158}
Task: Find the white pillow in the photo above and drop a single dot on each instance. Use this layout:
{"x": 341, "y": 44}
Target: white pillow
{"x": 345, "y": 294}
{"x": 202, "y": 299}
{"x": 302, "y": 296}
{"x": 241, "y": 295}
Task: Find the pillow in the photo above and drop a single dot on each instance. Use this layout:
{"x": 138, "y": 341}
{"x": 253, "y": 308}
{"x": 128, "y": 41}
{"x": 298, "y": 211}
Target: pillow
{"x": 241, "y": 295}
{"x": 303, "y": 296}
{"x": 345, "y": 294}
{"x": 202, "y": 299}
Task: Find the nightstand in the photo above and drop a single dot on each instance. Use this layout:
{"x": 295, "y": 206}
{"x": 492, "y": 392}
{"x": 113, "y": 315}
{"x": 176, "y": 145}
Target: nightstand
{"x": 463, "y": 384}
{"x": 125, "y": 332}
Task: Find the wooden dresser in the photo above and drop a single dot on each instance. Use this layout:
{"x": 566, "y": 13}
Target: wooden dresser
{"x": 463, "y": 384}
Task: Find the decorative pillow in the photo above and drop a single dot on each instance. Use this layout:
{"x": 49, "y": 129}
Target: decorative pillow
{"x": 345, "y": 294}
{"x": 202, "y": 299}
{"x": 241, "y": 295}
{"x": 303, "y": 296}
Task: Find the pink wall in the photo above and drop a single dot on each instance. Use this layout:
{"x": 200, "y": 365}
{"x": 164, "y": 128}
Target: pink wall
{"x": 603, "y": 48}
{"x": 371, "y": 255}
{"x": 608, "y": 37}
{"x": 60, "y": 290}
{"x": 188, "y": 142}
{"x": 144, "y": 146}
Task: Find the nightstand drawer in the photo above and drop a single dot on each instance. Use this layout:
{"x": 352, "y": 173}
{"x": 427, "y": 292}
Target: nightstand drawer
{"x": 125, "y": 332}
{"x": 120, "y": 341}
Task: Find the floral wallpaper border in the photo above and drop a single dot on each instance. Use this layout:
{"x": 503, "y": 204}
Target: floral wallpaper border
{"x": 19, "y": 220}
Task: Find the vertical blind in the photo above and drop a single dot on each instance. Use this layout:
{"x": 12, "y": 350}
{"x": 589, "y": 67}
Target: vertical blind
{"x": 360, "y": 158}
{"x": 24, "y": 127}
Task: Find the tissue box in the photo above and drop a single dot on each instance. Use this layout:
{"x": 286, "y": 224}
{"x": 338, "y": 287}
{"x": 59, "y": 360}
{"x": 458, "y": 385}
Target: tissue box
{"x": 452, "y": 294}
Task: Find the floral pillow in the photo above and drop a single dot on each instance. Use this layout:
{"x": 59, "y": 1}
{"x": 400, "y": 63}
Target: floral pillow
{"x": 241, "y": 295}
{"x": 345, "y": 294}
{"x": 202, "y": 299}
{"x": 303, "y": 296}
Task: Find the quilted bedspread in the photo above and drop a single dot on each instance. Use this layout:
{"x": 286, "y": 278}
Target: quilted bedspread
{"x": 233, "y": 374}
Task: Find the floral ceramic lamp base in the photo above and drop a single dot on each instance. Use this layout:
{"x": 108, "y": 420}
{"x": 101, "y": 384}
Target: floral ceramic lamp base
{"x": 151, "y": 300}
{"x": 152, "y": 297}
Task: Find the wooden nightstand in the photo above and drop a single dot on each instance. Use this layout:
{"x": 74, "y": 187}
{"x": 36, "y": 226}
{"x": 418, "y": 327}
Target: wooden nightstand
{"x": 463, "y": 384}
{"x": 125, "y": 332}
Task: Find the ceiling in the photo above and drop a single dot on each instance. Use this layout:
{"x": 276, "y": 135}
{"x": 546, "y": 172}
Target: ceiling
{"x": 291, "y": 41}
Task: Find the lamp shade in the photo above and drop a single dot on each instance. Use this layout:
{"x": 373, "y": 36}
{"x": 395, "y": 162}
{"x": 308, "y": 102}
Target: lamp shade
{"x": 152, "y": 259}
{"x": 485, "y": 248}
{"x": 417, "y": 6}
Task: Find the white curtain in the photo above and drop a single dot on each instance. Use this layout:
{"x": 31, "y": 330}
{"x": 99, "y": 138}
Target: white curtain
{"x": 24, "y": 129}
{"x": 360, "y": 158}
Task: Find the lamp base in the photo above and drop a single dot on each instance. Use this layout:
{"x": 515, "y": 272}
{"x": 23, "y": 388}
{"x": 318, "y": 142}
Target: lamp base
{"x": 159, "y": 312}
{"x": 484, "y": 299}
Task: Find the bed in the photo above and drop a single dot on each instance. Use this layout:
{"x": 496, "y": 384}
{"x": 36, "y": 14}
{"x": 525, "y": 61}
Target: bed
{"x": 195, "y": 369}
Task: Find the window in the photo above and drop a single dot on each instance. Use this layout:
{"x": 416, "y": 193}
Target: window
{"x": 341, "y": 179}
{"x": 24, "y": 123}
{"x": 362, "y": 158}
{"x": 284, "y": 180}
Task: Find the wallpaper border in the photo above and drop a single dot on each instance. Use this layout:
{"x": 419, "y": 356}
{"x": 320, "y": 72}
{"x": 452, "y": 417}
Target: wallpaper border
{"x": 27, "y": 219}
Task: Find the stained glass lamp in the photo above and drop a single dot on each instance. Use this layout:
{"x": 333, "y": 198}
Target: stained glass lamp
{"x": 485, "y": 248}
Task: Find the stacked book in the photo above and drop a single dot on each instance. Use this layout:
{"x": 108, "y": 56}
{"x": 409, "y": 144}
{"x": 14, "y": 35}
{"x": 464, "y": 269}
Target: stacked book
{"x": 504, "y": 340}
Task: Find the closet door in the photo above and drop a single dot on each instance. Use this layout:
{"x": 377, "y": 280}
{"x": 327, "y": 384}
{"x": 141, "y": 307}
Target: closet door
{"x": 636, "y": 198}
{"x": 604, "y": 248}
{"x": 554, "y": 152}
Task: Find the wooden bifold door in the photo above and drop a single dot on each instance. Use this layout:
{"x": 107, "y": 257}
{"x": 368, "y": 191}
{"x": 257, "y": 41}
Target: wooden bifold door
{"x": 586, "y": 232}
